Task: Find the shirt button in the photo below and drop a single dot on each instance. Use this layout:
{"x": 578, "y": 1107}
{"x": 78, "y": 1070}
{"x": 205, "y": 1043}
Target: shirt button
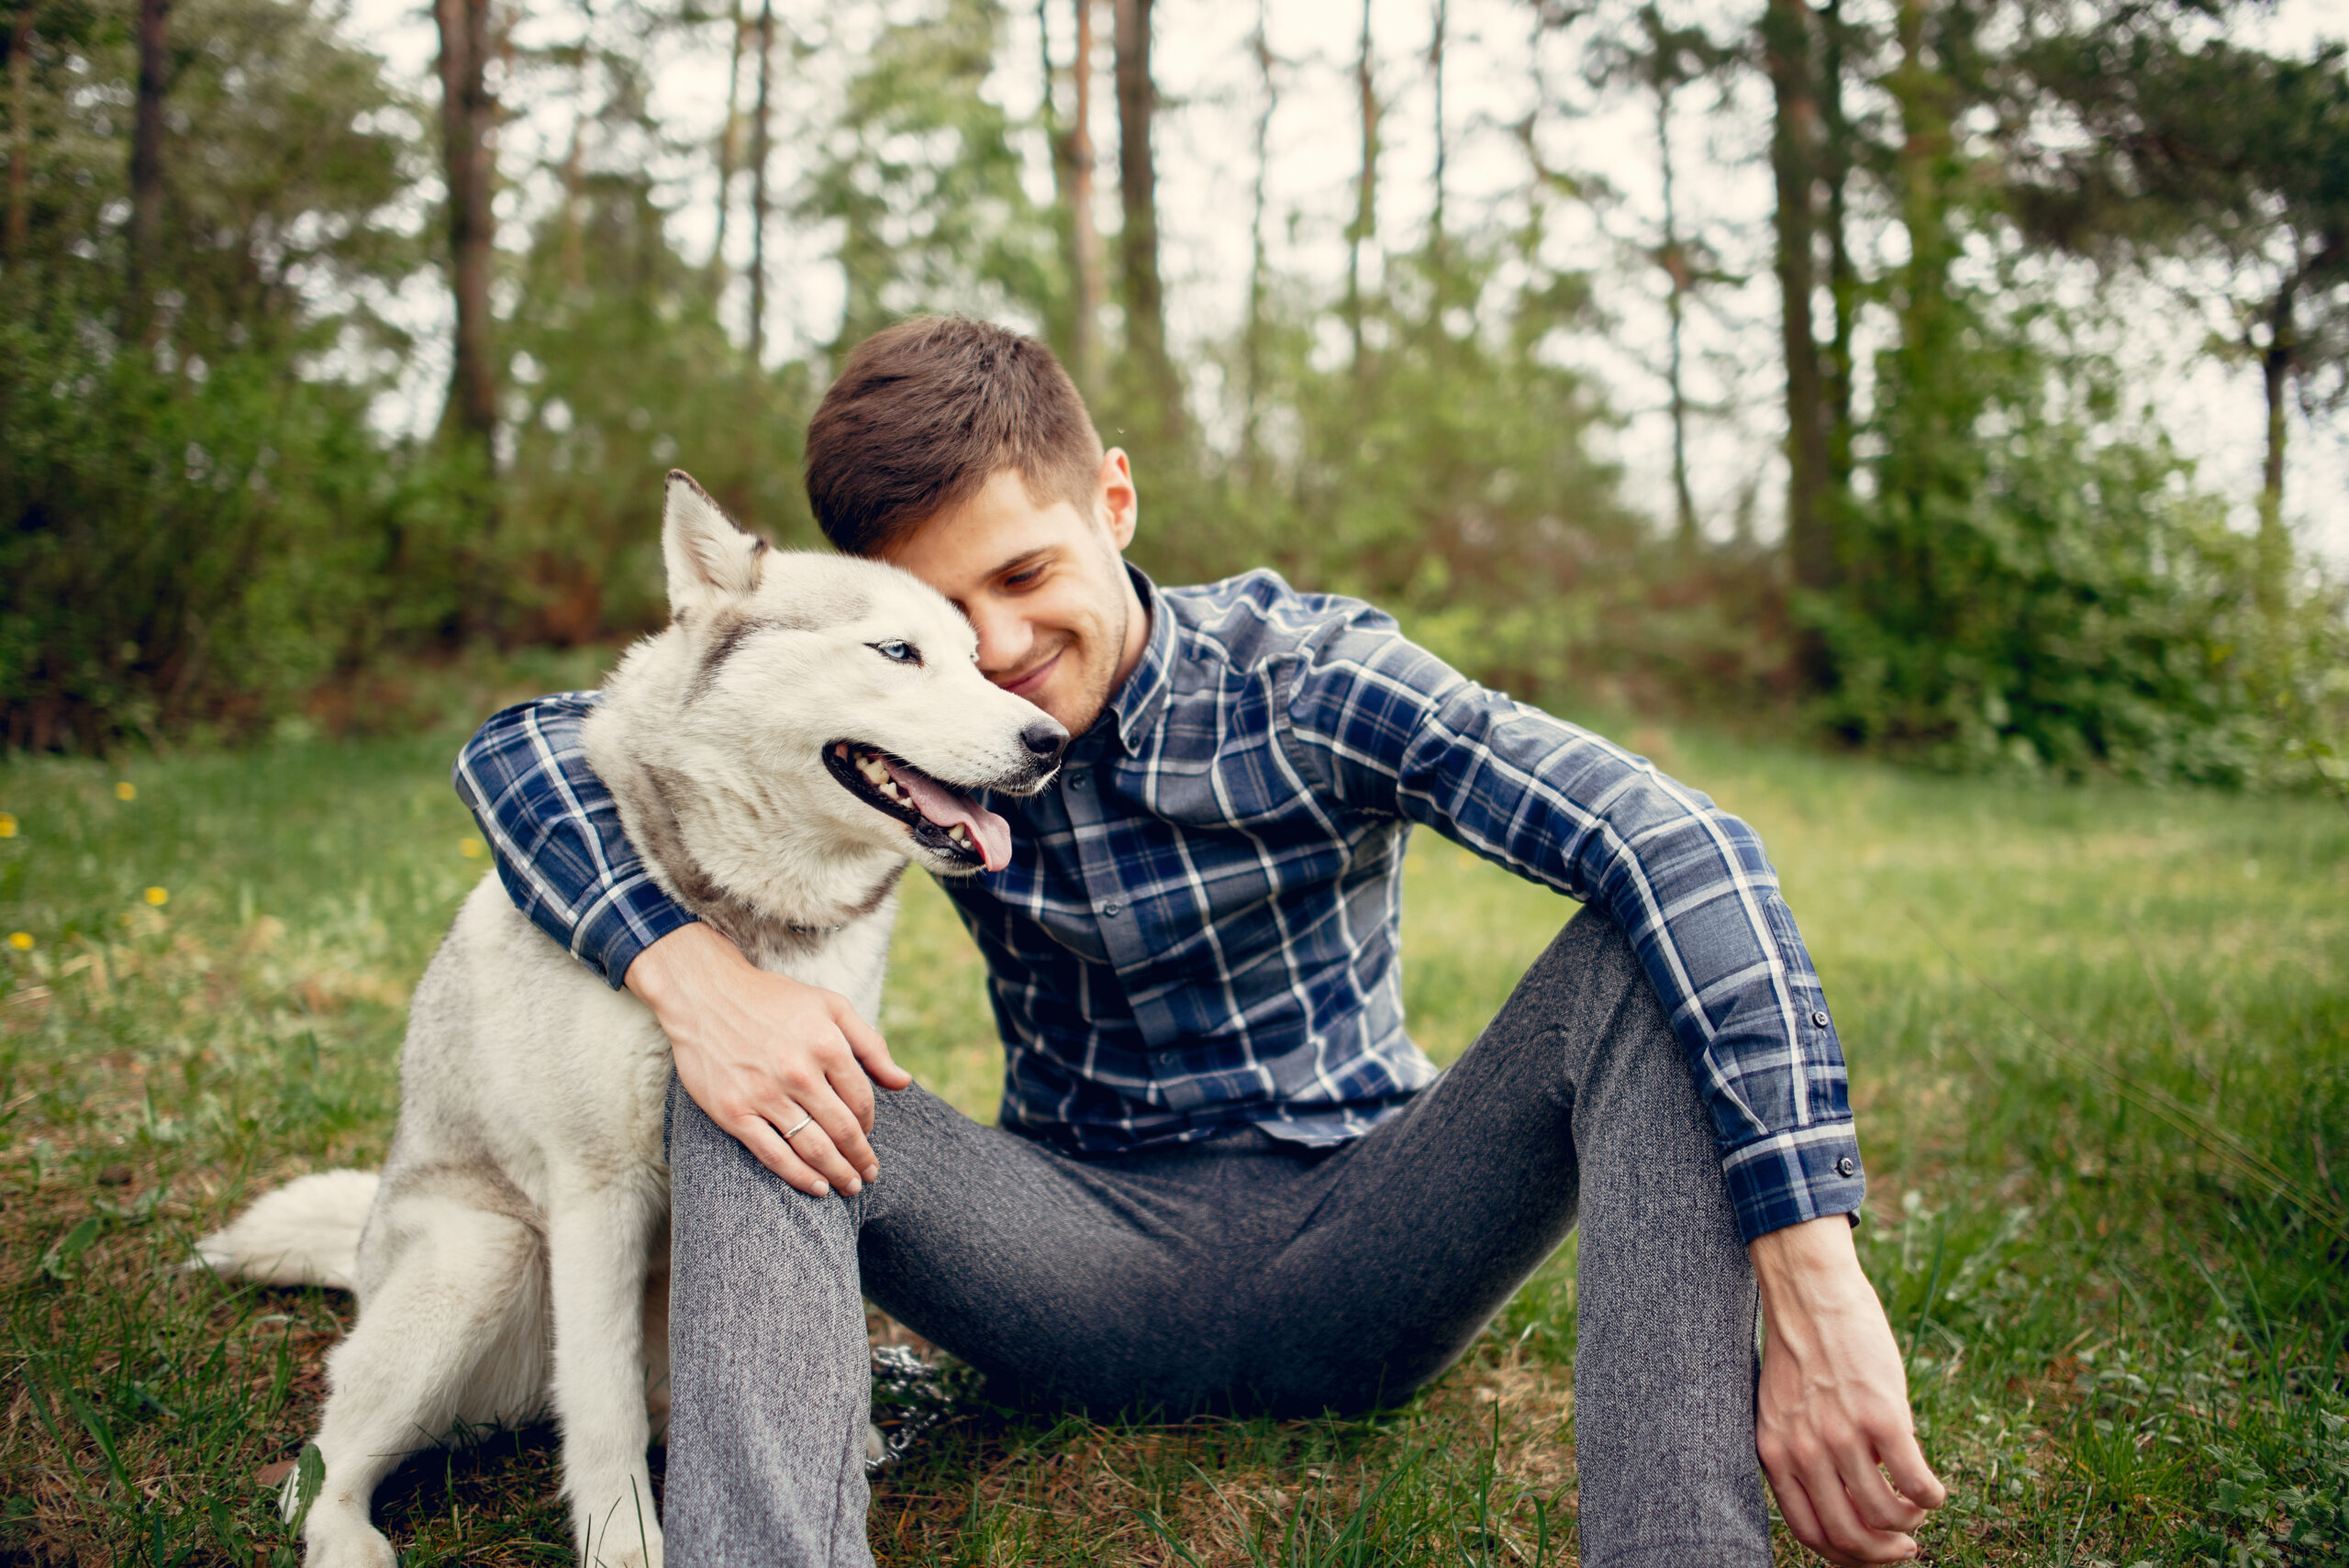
{"x": 1819, "y": 1020}
{"x": 1079, "y": 781}
{"x": 1112, "y": 908}
{"x": 1166, "y": 1059}
{"x": 1844, "y": 1166}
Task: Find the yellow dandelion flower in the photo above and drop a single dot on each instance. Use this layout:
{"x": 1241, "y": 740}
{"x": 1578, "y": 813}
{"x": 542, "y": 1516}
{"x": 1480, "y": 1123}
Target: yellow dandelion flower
{"x": 470, "y": 849}
{"x": 159, "y": 896}
{"x": 126, "y": 790}
{"x": 7, "y": 826}
{"x": 21, "y": 940}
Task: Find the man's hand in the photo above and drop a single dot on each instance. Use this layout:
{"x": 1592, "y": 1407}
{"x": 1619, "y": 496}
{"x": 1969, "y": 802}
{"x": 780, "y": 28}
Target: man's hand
{"x": 760, "y": 1052}
{"x": 1834, "y": 1402}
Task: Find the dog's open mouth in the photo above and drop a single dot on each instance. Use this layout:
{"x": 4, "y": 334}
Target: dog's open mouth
{"x": 945, "y": 821}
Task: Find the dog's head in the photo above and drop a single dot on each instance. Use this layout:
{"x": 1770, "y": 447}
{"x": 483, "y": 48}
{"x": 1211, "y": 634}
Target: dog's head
{"x": 853, "y": 686}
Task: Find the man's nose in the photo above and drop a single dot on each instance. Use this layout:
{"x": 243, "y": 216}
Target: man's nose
{"x": 1045, "y": 739}
{"x": 1004, "y": 640}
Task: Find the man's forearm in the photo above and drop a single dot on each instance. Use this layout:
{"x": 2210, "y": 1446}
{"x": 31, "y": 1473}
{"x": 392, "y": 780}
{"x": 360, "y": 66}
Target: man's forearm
{"x": 556, "y": 834}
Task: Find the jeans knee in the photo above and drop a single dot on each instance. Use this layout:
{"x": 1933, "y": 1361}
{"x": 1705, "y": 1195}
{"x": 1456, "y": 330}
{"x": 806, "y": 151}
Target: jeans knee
{"x": 1592, "y": 954}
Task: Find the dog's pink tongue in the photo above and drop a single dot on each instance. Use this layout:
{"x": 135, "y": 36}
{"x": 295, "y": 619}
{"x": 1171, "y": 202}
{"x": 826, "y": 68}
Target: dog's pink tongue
{"x": 991, "y": 833}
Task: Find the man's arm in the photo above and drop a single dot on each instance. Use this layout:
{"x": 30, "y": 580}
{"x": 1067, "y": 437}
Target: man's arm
{"x": 1385, "y": 726}
{"x": 757, "y": 1051}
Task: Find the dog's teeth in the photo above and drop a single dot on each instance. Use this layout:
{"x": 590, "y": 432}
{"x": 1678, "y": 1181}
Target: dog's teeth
{"x": 958, "y": 834}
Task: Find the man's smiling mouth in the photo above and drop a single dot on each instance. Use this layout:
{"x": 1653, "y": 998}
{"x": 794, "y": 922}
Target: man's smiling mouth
{"x": 945, "y": 820}
{"x": 1021, "y": 686}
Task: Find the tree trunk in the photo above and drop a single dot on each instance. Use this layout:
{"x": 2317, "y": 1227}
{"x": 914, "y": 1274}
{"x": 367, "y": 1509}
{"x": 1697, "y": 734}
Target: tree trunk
{"x": 1073, "y": 161}
{"x": 760, "y": 148}
{"x": 1787, "y": 51}
{"x": 20, "y": 134}
{"x": 1366, "y": 220}
{"x": 1938, "y": 423}
{"x": 727, "y": 145}
{"x": 574, "y": 184}
{"x": 468, "y": 121}
{"x": 2276, "y": 362}
{"x": 139, "y": 318}
{"x": 1443, "y": 144}
{"x": 1842, "y": 277}
{"x": 1252, "y": 455}
{"x": 1677, "y": 274}
{"x": 1138, "y": 244}
{"x": 1056, "y": 142}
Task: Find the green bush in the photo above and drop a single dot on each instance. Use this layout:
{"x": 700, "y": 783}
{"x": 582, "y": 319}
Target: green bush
{"x": 185, "y": 548}
{"x": 2034, "y": 585}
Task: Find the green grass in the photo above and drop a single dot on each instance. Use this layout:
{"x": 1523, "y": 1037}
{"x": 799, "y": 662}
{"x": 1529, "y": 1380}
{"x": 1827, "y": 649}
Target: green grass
{"x": 2100, "y": 1043}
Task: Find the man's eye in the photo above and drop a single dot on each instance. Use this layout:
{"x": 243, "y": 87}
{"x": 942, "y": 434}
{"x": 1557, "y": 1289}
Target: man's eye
{"x": 903, "y": 652}
{"x": 1024, "y": 579}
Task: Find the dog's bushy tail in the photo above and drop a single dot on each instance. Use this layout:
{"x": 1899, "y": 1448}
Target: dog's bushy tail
{"x": 306, "y": 1232}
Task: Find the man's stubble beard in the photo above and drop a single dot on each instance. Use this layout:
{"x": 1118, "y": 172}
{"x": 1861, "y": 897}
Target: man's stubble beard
{"x": 1102, "y": 674}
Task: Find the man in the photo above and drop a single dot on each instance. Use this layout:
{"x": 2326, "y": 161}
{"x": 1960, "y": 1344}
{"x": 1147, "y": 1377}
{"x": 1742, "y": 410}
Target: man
{"x": 1224, "y": 1177}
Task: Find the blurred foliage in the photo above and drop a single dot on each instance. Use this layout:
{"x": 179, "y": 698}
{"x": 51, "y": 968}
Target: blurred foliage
{"x": 189, "y": 553}
{"x": 921, "y": 174}
{"x": 201, "y": 529}
{"x": 190, "y": 532}
{"x": 1451, "y": 478}
{"x": 2050, "y": 594}
{"x": 2029, "y": 575}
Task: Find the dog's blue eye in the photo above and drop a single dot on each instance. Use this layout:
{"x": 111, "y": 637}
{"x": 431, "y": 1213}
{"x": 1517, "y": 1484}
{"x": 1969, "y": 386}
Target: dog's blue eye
{"x": 903, "y": 652}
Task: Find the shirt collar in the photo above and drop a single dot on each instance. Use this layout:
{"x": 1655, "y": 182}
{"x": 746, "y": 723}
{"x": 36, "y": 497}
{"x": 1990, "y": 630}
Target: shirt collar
{"x": 1136, "y": 707}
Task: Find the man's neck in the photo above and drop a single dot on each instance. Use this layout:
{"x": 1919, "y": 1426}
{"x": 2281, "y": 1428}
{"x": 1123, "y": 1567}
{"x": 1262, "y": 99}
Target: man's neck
{"x": 1137, "y": 640}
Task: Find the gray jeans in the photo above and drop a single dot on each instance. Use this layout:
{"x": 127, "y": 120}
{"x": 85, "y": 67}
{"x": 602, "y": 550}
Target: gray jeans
{"x": 1241, "y": 1274}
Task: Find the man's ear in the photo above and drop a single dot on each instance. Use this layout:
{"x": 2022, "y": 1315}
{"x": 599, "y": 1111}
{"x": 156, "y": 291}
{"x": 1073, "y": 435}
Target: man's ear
{"x": 1119, "y": 504}
{"x": 710, "y": 557}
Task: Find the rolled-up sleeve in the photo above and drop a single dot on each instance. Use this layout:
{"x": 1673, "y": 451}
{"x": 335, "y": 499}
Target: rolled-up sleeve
{"x": 555, "y": 833}
{"x": 1393, "y": 728}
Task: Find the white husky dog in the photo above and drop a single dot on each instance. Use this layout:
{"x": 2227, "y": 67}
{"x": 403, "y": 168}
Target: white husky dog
{"x": 805, "y": 725}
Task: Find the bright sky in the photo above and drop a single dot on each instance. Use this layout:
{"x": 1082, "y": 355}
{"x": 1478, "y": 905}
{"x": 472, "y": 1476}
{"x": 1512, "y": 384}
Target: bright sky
{"x": 1209, "y": 77}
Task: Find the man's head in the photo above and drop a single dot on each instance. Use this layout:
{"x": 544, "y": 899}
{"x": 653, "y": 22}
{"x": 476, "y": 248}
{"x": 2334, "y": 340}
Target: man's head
{"x": 962, "y": 452}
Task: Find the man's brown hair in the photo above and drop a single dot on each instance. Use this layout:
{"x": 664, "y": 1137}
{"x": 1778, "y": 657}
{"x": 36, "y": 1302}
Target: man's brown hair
{"x": 925, "y": 411}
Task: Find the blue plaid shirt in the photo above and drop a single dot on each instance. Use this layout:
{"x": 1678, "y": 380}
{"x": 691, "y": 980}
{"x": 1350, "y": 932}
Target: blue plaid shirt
{"x": 1199, "y": 927}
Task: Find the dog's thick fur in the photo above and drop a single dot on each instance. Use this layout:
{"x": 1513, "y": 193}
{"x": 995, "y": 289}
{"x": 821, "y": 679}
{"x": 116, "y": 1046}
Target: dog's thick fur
{"x": 511, "y": 1261}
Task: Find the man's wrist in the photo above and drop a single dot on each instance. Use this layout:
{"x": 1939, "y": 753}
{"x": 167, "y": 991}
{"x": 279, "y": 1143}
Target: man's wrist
{"x": 672, "y": 963}
{"x": 1801, "y": 1266}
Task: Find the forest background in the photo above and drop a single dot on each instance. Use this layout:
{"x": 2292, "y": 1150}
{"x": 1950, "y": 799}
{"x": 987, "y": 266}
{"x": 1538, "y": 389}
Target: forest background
{"x": 1956, "y": 381}
{"x": 1966, "y": 536}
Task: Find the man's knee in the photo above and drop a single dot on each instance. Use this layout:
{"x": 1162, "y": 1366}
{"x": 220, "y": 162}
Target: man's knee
{"x": 1590, "y": 965}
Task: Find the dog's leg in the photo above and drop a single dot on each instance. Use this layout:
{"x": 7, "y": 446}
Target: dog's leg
{"x": 600, "y": 1241}
{"x": 656, "y": 1340}
{"x": 412, "y": 1366}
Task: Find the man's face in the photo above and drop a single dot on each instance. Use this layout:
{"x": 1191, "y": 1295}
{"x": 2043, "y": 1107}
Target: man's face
{"x": 1058, "y": 619}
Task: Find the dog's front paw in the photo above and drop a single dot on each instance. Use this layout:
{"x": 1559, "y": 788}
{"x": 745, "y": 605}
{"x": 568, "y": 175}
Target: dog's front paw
{"x": 645, "y": 1553}
{"x": 335, "y": 1539}
{"x": 645, "y": 1556}
{"x": 626, "y": 1538}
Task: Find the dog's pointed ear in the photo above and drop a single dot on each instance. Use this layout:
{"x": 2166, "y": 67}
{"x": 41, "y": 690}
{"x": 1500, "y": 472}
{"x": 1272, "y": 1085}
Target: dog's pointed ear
{"x": 710, "y": 557}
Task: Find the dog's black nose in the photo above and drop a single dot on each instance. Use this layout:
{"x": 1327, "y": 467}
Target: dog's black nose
{"x": 1044, "y": 738}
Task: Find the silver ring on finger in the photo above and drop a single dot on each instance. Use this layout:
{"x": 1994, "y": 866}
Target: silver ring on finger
{"x": 794, "y": 1129}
